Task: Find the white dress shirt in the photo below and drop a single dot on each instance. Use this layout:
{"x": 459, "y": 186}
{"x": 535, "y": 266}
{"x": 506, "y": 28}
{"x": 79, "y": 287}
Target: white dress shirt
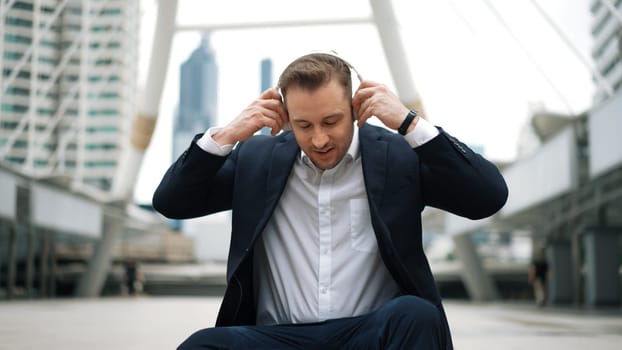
{"x": 317, "y": 257}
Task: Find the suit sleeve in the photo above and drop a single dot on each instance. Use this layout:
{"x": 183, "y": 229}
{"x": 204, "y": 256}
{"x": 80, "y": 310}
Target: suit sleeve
{"x": 458, "y": 180}
{"x": 197, "y": 184}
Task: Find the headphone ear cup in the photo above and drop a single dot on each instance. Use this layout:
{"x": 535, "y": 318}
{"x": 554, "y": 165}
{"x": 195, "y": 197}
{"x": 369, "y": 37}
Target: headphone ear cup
{"x": 287, "y": 126}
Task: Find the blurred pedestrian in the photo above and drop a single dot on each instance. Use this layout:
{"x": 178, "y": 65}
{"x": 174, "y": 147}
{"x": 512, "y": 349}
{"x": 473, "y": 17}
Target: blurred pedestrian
{"x": 538, "y": 273}
{"x": 133, "y": 277}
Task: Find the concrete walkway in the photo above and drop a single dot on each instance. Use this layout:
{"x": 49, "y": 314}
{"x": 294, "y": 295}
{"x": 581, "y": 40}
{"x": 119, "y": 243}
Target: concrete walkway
{"x": 163, "y": 322}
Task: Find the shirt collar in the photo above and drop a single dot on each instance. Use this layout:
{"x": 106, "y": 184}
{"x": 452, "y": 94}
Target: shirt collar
{"x": 353, "y": 150}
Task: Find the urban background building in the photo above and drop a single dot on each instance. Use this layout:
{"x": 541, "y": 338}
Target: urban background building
{"x": 265, "y": 83}
{"x": 607, "y": 45}
{"x": 68, "y": 89}
{"x": 68, "y": 99}
{"x": 198, "y": 95}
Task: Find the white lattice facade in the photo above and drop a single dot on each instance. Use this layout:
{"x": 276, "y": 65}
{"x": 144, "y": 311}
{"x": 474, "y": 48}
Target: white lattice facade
{"x": 607, "y": 44}
{"x": 68, "y": 87}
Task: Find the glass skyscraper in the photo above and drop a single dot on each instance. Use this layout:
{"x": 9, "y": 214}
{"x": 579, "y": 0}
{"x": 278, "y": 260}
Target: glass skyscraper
{"x": 266, "y": 83}
{"x": 198, "y": 95}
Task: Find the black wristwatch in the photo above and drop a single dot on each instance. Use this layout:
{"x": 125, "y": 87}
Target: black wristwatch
{"x": 406, "y": 123}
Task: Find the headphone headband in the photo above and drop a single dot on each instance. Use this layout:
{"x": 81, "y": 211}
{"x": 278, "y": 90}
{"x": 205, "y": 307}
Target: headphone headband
{"x": 335, "y": 54}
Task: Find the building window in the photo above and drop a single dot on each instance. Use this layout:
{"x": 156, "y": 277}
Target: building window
{"x": 18, "y": 22}
{"x": 45, "y": 111}
{"x": 16, "y": 91}
{"x": 46, "y": 9}
{"x": 102, "y": 163}
{"x": 8, "y": 125}
{"x": 13, "y": 108}
{"x": 19, "y": 39}
{"x": 22, "y": 74}
{"x": 20, "y": 144}
{"x": 41, "y": 163}
{"x": 48, "y": 60}
{"x": 22, "y": 5}
{"x": 12, "y": 56}
{"x": 110, "y": 11}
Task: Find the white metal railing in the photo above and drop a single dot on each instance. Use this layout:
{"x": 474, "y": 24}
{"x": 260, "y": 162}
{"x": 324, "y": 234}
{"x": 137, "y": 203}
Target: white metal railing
{"x": 72, "y": 135}
{"x": 4, "y": 149}
{"x": 34, "y": 81}
{"x": 614, "y": 11}
{"x": 70, "y": 97}
{"x": 57, "y": 159}
{"x": 5, "y": 7}
{"x": 37, "y": 90}
{"x": 28, "y": 53}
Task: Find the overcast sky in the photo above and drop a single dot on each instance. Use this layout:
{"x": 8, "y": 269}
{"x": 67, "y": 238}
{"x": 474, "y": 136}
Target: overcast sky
{"x": 475, "y": 80}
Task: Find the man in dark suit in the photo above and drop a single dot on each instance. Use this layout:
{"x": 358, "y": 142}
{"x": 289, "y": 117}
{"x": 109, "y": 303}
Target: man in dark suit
{"x": 326, "y": 248}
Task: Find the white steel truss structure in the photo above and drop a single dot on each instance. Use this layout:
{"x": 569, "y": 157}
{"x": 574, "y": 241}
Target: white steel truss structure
{"x": 606, "y": 33}
{"x": 67, "y": 88}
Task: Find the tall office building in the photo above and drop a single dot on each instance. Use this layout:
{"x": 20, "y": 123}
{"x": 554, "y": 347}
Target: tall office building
{"x": 198, "y": 99}
{"x": 67, "y": 88}
{"x": 198, "y": 95}
{"x": 266, "y": 82}
{"x": 266, "y": 74}
{"x": 607, "y": 45}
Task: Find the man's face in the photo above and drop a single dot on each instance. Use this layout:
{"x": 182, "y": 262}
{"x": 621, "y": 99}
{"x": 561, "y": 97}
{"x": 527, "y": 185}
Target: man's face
{"x": 322, "y": 122}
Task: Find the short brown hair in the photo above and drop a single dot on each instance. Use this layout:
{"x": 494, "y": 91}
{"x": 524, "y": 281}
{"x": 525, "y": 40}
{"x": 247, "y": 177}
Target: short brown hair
{"x": 315, "y": 70}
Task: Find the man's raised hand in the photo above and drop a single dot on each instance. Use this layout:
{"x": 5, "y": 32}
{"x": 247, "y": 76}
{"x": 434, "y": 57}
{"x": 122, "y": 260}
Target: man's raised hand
{"x": 375, "y": 99}
{"x": 266, "y": 110}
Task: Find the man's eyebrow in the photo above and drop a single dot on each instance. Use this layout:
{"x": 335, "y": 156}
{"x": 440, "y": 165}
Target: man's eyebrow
{"x": 333, "y": 115}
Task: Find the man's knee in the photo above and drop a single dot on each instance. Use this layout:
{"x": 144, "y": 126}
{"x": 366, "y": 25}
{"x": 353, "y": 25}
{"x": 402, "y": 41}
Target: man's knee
{"x": 412, "y": 310}
{"x": 211, "y": 338}
{"x": 409, "y": 322}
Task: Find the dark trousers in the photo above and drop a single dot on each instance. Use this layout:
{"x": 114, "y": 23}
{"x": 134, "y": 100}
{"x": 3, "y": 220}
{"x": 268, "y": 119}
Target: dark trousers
{"x": 406, "y": 322}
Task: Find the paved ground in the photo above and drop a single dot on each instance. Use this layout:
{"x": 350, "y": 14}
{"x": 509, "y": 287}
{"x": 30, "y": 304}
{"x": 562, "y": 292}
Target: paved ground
{"x": 163, "y": 322}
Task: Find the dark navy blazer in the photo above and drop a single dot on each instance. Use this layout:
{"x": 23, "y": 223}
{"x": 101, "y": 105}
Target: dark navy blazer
{"x": 400, "y": 182}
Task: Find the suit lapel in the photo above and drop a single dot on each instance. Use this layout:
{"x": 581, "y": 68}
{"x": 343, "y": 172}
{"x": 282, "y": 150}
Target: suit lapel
{"x": 373, "y": 157}
{"x": 374, "y": 160}
{"x": 283, "y": 156}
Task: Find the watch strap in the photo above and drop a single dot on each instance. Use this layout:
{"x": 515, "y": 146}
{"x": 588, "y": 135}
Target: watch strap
{"x": 407, "y": 121}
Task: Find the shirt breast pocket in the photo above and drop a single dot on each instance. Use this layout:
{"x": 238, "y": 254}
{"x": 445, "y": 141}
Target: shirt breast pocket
{"x": 362, "y": 234}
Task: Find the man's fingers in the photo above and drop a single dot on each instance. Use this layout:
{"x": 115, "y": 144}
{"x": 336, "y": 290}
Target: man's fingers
{"x": 270, "y": 94}
{"x": 277, "y": 106}
{"x": 363, "y": 93}
{"x": 271, "y": 112}
{"x": 273, "y": 123}
{"x": 273, "y": 117}
{"x": 361, "y": 120}
{"x": 363, "y": 113}
{"x": 362, "y": 107}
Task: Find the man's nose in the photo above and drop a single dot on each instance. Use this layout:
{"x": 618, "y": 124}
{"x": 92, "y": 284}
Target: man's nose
{"x": 319, "y": 139}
